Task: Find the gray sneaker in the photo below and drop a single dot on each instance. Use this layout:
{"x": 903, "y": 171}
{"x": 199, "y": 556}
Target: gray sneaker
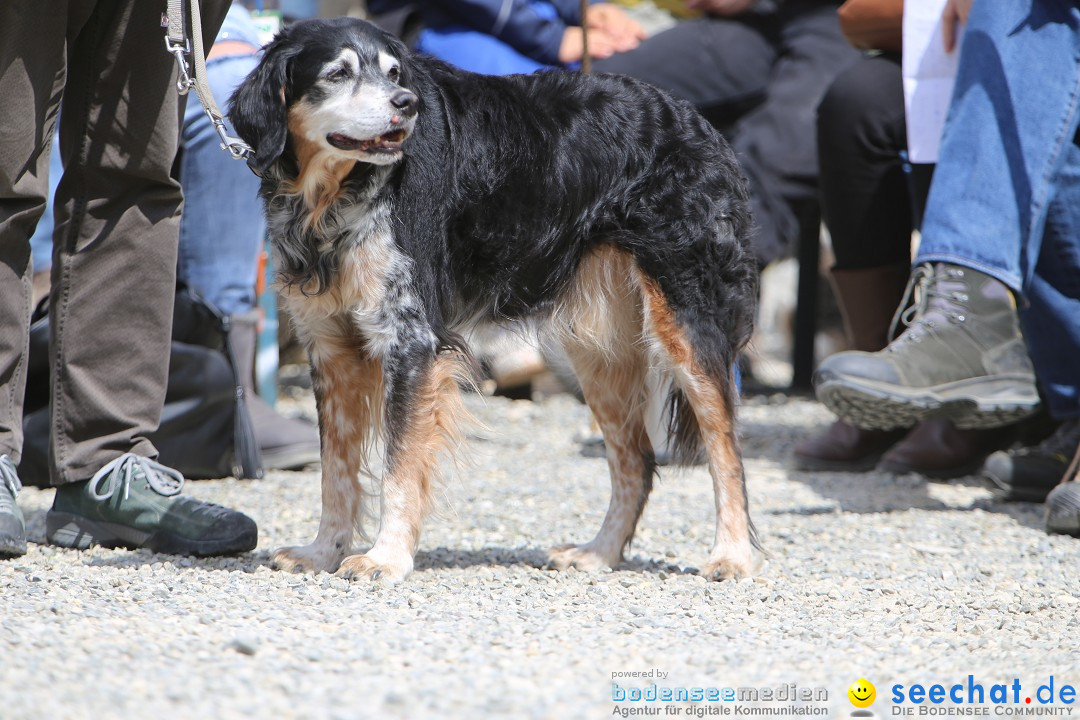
{"x": 134, "y": 502}
{"x": 961, "y": 357}
{"x": 12, "y": 526}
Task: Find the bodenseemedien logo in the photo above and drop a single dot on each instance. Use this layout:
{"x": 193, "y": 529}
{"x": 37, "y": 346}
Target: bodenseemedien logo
{"x": 789, "y": 700}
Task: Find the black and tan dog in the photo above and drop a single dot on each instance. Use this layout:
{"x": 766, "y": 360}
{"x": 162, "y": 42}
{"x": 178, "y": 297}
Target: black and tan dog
{"x": 408, "y": 200}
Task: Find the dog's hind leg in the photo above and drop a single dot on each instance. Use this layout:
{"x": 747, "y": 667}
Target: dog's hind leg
{"x": 601, "y": 332}
{"x": 348, "y": 391}
{"x": 423, "y": 415}
{"x": 615, "y": 394}
{"x": 732, "y": 554}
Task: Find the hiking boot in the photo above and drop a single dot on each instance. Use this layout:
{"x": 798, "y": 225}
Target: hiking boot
{"x": 1028, "y": 474}
{"x": 962, "y": 357}
{"x": 133, "y": 502}
{"x": 12, "y": 526}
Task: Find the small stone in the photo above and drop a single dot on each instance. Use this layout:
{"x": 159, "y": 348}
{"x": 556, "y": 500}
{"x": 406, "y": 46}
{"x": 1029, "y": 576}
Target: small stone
{"x": 245, "y": 644}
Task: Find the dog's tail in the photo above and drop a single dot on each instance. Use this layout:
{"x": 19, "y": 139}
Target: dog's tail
{"x": 684, "y": 433}
{"x": 685, "y": 443}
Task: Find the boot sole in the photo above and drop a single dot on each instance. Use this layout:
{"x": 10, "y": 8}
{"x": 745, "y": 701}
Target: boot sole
{"x": 12, "y": 547}
{"x": 12, "y": 537}
{"x": 74, "y": 531}
{"x": 978, "y": 403}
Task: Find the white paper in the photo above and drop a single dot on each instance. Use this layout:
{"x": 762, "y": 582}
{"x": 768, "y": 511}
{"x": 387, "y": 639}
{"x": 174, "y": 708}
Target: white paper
{"x": 929, "y": 74}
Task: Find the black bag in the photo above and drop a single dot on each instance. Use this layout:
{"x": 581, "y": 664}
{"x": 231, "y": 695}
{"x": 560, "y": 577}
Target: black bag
{"x": 205, "y": 429}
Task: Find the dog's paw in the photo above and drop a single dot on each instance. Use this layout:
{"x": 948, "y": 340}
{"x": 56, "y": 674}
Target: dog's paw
{"x": 582, "y": 557}
{"x": 372, "y": 567}
{"x": 732, "y": 566}
{"x": 308, "y": 558}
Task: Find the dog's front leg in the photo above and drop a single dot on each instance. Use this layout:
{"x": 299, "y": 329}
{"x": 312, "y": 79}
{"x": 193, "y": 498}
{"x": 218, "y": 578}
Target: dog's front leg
{"x": 423, "y": 410}
{"x": 348, "y": 392}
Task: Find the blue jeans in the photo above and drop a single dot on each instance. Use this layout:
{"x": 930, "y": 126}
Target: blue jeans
{"x": 1005, "y": 198}
{"x": 222, "y": 229}
{"x": 41, "y": 242}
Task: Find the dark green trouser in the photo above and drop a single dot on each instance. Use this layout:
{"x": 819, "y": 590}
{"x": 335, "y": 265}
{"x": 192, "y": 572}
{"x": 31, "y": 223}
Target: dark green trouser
{"x": 101, "y": 64}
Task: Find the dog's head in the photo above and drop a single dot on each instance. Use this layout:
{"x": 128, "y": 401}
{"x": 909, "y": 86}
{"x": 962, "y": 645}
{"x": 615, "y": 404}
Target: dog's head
{"x": 338, "y": 86}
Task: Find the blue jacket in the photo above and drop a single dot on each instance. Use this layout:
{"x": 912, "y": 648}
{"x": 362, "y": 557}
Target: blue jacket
{"x": 514, "y": 22}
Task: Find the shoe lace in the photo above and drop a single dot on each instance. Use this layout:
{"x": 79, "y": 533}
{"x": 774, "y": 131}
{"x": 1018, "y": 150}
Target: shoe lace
{"x": 920, "y": 293}
{"x": 119, "y": 473}
{"x": 10, "y": 480}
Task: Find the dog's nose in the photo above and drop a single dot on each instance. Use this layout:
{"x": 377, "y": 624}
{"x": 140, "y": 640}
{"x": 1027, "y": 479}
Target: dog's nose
{"x": 405, "y": 101}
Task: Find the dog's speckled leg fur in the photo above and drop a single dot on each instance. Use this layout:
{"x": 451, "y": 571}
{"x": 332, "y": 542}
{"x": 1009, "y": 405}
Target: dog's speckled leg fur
{"x": 348, "y": 391}
{"x": 424, "y": 412}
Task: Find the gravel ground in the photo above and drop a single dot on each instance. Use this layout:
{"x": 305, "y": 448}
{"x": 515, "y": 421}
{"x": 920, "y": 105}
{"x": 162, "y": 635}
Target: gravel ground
{"x": 889, "y": 578}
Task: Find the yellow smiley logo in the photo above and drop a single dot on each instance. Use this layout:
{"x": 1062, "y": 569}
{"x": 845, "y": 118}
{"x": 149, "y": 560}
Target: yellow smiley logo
{"x": 862, "y": 693}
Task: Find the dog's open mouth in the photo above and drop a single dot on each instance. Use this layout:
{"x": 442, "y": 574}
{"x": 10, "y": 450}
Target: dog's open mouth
{"x": 390, "y": 142}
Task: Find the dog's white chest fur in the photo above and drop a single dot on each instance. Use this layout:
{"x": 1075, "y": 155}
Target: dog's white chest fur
{"x": 372, "y": 287}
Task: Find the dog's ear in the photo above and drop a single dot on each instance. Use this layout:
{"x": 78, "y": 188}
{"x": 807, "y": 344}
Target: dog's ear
{"x": 258, "y": 107}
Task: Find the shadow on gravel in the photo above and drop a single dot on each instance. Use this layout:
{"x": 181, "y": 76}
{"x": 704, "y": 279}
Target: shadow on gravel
{"x": 450, "y": 558}
{"x": 123, "y": 558}
{"x": 872, "y": 491}
{"x": 438, "y": 558}
{"x": 443, "y": 557}
{"x": 882, "y": 492}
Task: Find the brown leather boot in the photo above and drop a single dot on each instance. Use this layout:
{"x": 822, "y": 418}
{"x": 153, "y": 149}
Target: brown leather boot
{"x": 845, "y": 448}
{"x": 868, "y": 300}
{"x": 937, "y": 449}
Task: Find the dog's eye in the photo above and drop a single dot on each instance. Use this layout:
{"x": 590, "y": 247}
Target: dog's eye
{"x": 341, "y": 73}
{"x": 393, "y": 74}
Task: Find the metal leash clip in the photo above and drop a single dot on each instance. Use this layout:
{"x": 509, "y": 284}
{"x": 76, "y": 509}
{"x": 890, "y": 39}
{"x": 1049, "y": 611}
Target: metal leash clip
{"x": 184, "y": 83}
{"x": 239, "y": 149}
